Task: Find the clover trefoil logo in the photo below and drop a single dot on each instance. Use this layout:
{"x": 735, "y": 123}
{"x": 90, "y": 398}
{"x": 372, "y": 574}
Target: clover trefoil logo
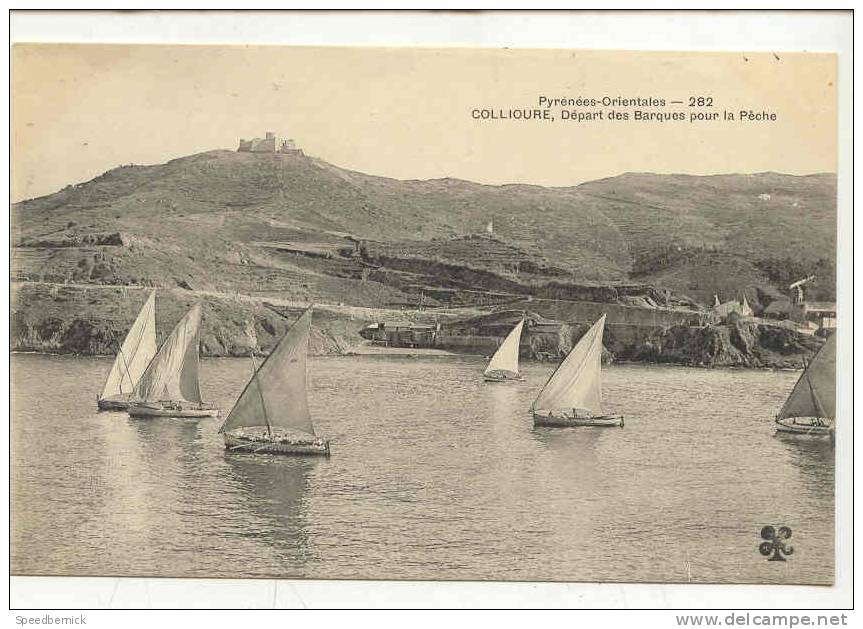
{"x": 775, "y": 548}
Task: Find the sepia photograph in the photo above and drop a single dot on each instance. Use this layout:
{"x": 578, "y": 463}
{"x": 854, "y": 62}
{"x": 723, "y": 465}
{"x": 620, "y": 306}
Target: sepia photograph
{"x": 424, "y": 313}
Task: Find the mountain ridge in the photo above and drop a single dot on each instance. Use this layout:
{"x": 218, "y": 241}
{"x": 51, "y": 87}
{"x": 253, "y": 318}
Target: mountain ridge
{"x": 222, "y": 204}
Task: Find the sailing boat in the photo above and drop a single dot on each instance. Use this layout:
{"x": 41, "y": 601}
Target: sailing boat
{"x": 169, "y": 386}
{"x": 810, "y": 410}
{"x": 504, "y": 364}
{"x": 136, "y": 352}
{"x": 573, "y": 394}
{"x": 272, "y": 413}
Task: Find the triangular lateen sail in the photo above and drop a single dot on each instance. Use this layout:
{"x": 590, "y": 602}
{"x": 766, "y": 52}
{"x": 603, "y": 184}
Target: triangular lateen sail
{"x": 576, "y": 382}
{"x": 136, "y": 352}
{"x": 814, "y": 395}
{"x": 506, "y": 357}
{"x": 189, "y": 385}
{"x": 276, "y": 394}
{"x": 173, "y": 372}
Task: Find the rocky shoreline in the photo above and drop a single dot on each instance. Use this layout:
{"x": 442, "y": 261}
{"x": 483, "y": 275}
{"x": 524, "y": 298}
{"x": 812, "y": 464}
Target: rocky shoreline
{"x": 739, "y": 342}
{"x": 92, "y": 321}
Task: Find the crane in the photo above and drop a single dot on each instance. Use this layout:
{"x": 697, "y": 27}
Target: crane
{"x": 798, "y": 286}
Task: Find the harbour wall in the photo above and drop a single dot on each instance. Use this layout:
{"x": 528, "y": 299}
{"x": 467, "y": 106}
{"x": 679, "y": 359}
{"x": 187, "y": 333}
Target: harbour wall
{"x": 532, "y": 345}
{"x": 93, "y": 320}
{"x": 625, "y": 325}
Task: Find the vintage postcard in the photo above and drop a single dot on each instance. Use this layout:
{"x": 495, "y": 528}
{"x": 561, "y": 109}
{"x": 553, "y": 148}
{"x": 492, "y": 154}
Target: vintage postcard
{"x": 423, "y": 313}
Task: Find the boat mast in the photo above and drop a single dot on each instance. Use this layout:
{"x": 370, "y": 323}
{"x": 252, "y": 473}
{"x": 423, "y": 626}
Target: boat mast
{"x": 255, "y": 375}
{"x": 126, "y": 366}
{"x": 122, "y": 355}
{"x": 814, "y": 395}
{"x": 815, "y": 399}
{"x": 560, "y": 364}
{"x": 261, "y": 394}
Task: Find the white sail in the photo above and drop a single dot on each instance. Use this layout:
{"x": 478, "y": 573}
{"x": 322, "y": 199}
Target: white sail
{"x": 576, "y": 382}
{"x": 276, "y": 394}
{"x": 814, "y": 395}
{"x": 136, "y": 352}
{"x": 173, "y": 372}
{"x": 506, "y": 357}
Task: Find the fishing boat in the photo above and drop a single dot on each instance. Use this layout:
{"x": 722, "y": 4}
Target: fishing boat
{"x": 810, "y": 410}
{"x": 272, "y": 416}
{"x": 136, "y": 352}
{"x": 573, "y": 394}
{"x": 503, "y": 365}
{"x": 169, "y": 386}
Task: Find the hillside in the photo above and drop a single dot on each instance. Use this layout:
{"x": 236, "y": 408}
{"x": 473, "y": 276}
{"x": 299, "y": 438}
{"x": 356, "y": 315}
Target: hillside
{"x": 239, "y": 231}
{"x": 94, "y": 319}
{"x": 724, "y": 233}
{"x": 286, "y": 224}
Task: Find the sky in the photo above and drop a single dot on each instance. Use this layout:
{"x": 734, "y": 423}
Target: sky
{"x": 80, "y": 110}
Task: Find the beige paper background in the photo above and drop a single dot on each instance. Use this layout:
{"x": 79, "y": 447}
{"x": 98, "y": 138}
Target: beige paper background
{"x": 78, "y": 110}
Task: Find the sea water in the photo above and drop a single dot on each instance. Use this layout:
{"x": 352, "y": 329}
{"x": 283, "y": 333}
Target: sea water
{"x": 434, "y": 474}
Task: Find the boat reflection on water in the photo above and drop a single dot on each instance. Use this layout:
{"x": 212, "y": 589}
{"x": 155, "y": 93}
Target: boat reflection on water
{"x": 163, "y": 439}
{"x": 275, "y": 490}
{"x": 585, "y": 441}
{"x": 814, "y": 458}
{"x": 506, "y": 404}
{"x": 812, "y": 462}
{"x": 584, "y": 471}
{"x": 175, "y": 451}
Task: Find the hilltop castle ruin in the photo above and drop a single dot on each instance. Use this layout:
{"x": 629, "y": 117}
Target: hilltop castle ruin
{"x": 268, "y": 144}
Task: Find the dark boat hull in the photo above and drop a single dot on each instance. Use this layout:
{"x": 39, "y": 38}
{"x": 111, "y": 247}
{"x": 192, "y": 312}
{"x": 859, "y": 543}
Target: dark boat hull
{"x": 791, "y": 426}
{"x": 562, "y": 421}
{"x": 140, "y": 410}
{"x": 491, "y": 377}
{"x": 262, "y": 445}
{"x": 113, "y": 403}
